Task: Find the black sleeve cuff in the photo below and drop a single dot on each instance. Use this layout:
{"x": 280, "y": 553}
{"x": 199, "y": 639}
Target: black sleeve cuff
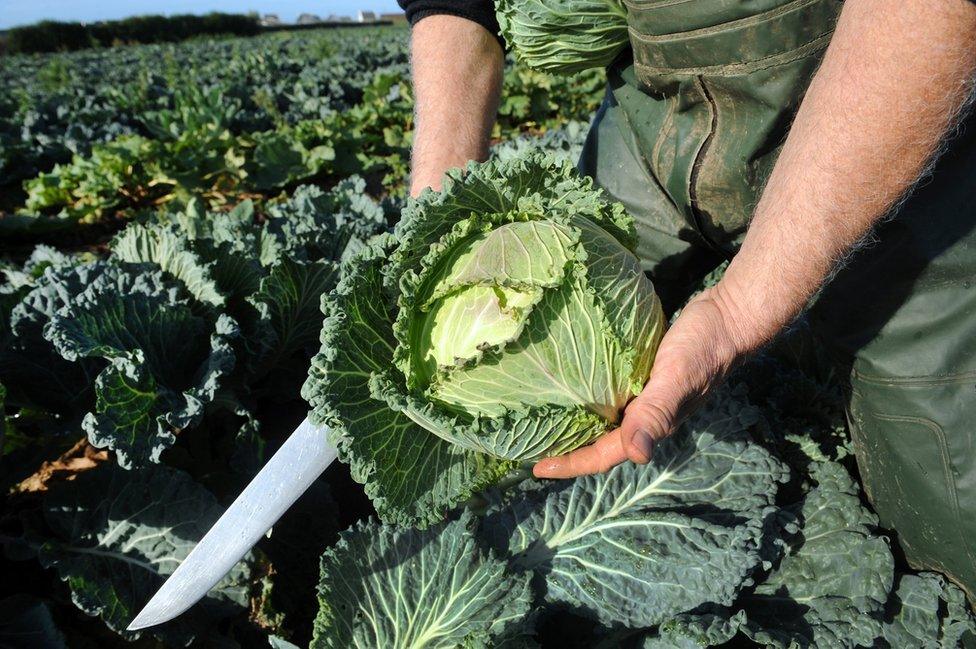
{"x": 478, "y": 11}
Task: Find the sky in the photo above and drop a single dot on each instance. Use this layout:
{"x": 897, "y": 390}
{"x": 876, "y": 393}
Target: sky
{"x": 23, "y": 12}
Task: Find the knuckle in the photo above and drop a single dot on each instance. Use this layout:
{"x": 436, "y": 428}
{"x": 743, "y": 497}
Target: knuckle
{"x": 651, "y": 418}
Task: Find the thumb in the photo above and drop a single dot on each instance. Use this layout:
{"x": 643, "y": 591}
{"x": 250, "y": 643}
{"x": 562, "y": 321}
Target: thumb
{"x": 657, "y": 410}
{"x": 646, "y": 421}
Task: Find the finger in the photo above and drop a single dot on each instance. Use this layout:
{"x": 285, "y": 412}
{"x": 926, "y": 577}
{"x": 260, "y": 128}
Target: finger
{"x": 600, "y": 456}
{"x": 645, "y": 423}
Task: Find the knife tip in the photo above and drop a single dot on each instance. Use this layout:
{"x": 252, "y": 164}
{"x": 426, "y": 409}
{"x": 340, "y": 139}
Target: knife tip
{"x": 145, "y": 619}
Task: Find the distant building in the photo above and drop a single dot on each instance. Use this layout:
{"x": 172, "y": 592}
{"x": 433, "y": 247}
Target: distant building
{"x": 395, "y": 18}
{"x": 270, "y": 20}
{"x": 308, "y": 19}
{"x": 367, "y": 16}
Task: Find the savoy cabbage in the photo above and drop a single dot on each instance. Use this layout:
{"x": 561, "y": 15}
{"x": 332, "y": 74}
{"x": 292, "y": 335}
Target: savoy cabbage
{"x": 505, "y": 319}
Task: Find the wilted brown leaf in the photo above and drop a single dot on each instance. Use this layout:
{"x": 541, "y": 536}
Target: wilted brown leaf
{"x": 80, "y": 457}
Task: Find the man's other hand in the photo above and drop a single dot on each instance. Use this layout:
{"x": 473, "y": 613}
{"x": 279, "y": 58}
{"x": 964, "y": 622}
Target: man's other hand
{"x": 695, "y": 355}
{"x": 457, "y": 79}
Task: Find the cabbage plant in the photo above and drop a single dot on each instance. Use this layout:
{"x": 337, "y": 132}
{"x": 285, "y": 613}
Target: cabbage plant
{"x": 564, "y": 36}
{"x": 505, "y": 319}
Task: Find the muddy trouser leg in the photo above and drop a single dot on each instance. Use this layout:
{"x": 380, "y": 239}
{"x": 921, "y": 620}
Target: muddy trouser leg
{"x": 903, "y": 313}
{"x": 670, "y": 251}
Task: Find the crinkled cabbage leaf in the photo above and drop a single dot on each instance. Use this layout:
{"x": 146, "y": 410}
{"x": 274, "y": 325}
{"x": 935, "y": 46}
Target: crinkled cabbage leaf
{"x": 564, "y": 36}
{"x": 386, "y": 587}
{"x": 115, "y": 535}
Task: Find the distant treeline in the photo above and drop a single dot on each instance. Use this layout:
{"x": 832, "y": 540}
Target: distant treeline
{"x": 55, "y": 36}
{"x": 295, "y": 27}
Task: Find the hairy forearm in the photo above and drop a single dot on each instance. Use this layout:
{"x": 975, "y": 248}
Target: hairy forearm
{"x": 893, "y": 80}
{"x": 457, "y": 72}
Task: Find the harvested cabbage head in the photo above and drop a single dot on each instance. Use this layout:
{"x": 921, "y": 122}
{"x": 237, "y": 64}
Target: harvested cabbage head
{"x": 506, "y": 319}
{"x": 531, "y": 314}
{"x": 563, "y": 36}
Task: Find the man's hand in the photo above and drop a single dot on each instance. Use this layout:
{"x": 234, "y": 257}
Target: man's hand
{"x": 896, "y": 75}
{"x": 695, "y": 355}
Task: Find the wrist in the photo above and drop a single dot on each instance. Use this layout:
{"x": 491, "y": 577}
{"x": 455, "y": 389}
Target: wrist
{"x": 745, "y": 329}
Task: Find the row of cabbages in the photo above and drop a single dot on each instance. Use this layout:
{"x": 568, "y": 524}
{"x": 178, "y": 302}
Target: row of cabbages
{"x": 506, "y": 318}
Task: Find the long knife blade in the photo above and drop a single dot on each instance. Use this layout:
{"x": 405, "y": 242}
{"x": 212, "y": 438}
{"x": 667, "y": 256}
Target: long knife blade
{"x": 286, "y": 476}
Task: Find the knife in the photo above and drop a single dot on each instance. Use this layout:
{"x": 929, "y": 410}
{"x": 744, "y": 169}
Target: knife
{"x": 300, "y": 460}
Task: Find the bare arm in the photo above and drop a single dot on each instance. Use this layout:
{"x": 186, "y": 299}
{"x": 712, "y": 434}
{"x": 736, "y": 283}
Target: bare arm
{"x": 895, "y": 76}
{"x": 457, "y": 75}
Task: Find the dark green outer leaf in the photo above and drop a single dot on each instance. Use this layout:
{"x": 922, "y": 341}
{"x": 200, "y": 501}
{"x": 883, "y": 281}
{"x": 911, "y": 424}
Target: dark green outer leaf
{"x": 36, "y": 375}
{"x": 708, "y": 628}
{"x": 289, "y": 301}
{"x": 116, "y": 534}
{"x": 383, "y": 587}
{"x": 170, "y": 250}
{"x": 928, "y": 612}
{"x": 315, "y": 225}
{"x": 831, "y": 588}
{"x": 640, "y": 544}
{"x": 165, "y": 362}
{"x": 26, "y": 623}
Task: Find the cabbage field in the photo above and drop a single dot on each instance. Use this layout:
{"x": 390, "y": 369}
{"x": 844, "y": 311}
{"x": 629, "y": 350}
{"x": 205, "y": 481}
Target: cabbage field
{"x": 203, "y": 241}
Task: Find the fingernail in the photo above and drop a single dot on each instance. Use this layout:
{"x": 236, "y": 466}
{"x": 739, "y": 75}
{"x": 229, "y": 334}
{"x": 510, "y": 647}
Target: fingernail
{"x": 544, "y": 468}
{"x": 643, "y": 445}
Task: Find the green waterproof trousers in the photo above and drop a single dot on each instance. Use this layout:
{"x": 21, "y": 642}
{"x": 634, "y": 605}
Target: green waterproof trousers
{"x": 694, "y": 117}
